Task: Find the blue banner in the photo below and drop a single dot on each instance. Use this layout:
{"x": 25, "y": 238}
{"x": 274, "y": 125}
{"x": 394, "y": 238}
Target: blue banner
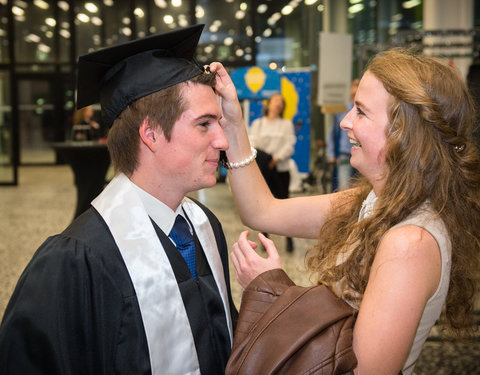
{"x": 295, "y": 87}
{"x": 255, "y": 83}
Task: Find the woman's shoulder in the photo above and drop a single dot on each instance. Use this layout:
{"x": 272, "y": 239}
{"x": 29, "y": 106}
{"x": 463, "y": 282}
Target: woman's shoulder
{"x": 423, "y": 224}
{"x": 413, "y": 254}
{"x": 409, "y": 238}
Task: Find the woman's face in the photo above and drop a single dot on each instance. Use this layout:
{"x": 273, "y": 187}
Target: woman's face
{"x": 275, "y": 105}
{"x": 88, "y": 112}
{"x": 366, "y": 125}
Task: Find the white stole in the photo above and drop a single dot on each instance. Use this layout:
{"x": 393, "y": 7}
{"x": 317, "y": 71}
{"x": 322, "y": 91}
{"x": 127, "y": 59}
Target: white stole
{"x": 170, "y": 340}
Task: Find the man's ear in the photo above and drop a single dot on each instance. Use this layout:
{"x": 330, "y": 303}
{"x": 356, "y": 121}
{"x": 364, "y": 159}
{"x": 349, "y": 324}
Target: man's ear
{"x": 148, "y": 135}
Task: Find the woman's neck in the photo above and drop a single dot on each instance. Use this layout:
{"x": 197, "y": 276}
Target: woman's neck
{"x": 272, "y": 116}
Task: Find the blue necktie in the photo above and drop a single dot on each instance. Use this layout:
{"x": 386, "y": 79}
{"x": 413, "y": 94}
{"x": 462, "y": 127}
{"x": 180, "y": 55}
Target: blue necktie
{"x": 180, "y": 234}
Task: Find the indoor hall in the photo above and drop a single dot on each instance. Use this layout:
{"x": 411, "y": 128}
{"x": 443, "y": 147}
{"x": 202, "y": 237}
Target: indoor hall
{"x": 43, "y": 204}
{"x": 41, "y": 41}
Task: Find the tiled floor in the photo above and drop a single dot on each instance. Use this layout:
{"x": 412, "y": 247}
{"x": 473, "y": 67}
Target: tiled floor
{"x": 43, "y": 204}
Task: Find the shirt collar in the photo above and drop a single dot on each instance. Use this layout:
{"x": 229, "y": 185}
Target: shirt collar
{"x": 158, "y": 211}
{"x": 368, "y": 205}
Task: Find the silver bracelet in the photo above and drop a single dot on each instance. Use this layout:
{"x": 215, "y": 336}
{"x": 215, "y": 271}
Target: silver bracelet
{"x": 244, "y": 162}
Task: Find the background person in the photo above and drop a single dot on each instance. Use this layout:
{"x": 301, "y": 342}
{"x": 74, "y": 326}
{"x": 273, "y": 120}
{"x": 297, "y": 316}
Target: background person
{"x": 404, "y": 242}
{"x": 85, "y": 128}
{"x": 274, "y": 137}
{"x": 112, "y": 293}
{"x": 338, "y": 147}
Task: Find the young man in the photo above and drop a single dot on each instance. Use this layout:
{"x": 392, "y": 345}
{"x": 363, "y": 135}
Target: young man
{"x": 113, "y": 293}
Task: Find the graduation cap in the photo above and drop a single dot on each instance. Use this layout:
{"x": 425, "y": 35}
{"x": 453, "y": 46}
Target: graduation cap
{"x": 117, "y": 76}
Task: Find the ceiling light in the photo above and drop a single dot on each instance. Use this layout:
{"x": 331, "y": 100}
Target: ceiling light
{"x": 126, "y": 31}
{"x": 97, "y": 21}
{"x": 44, "y": 48}
{"x": 139, "y": 12}
{"x": 50, "y": 21}
{"x": 91, "y": 7}
{"x": 199, "y": 12}
{"x": 82, "y": 17}
{"x": 239, "y": 14}
{"x": 64, "y": 33}
{"x": 17, "y": 11}
{"x": 411, "y": 4}
{"x": 63, "y": 5}
{"x": 355, "y": 8}
{"x": 262, "y": 8}
{"x": 161, "y": 4}
{"x": 168, "y": 19}
{"x": 41, "y": 4}
{"x": 32, "y": 38}
{"x": 287, "y": 9}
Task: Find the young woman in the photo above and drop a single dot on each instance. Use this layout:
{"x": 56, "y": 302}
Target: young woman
{"x": 404, "y": 242}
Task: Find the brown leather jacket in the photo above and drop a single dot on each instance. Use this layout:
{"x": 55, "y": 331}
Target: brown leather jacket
{"x": 288, "y": 329}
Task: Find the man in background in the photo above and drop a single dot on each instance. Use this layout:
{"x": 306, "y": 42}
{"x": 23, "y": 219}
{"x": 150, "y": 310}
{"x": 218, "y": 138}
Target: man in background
{"x": 338, "y": 147}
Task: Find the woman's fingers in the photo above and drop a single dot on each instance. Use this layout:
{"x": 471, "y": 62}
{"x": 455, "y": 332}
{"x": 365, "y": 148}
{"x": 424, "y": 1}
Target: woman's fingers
{"x": 247, "y": 263}
{"x": 272, "y": 252}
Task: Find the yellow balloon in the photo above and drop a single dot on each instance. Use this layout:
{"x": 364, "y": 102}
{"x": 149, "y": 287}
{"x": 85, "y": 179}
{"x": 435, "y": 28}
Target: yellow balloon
{"x": 290, "y": 95}
{"x": 255, "y": 79}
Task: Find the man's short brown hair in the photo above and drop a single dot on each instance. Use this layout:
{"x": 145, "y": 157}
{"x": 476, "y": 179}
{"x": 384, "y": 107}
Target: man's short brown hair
{"x": 162, "y": 108}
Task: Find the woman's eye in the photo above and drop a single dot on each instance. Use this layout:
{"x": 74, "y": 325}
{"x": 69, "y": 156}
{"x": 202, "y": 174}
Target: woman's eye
{"x": 360, "y": 112}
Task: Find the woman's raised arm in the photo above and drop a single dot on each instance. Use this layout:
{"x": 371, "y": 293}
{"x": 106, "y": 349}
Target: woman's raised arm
{"x": 258, "y": 209}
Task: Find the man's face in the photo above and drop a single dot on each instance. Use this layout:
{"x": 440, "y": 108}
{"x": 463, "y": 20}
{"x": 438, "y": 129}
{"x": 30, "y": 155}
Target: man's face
{"x": 189, "y": 161}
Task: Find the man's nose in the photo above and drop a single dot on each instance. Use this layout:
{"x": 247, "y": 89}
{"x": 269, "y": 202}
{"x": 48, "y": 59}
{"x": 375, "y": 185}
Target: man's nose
{"x": 220, "y": 141}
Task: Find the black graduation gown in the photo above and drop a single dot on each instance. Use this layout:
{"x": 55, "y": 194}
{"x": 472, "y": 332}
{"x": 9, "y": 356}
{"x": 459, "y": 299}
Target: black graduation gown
{"x": 75, "y": 311}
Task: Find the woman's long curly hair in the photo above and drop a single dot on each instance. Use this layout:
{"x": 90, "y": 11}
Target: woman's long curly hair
{"x": 430, "y": 156}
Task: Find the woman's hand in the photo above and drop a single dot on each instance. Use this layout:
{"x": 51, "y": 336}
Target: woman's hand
{"x": 225, "y": 89}
{"x": 248, "y": 264}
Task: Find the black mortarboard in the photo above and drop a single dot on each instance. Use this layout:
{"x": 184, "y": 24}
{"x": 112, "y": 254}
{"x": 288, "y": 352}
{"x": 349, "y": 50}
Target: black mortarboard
{"x": 117, "y": 76}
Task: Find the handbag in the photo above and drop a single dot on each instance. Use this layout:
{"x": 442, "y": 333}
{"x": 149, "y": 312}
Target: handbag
{"x": 263, "y": 159}
{"x": 289, "y": 329}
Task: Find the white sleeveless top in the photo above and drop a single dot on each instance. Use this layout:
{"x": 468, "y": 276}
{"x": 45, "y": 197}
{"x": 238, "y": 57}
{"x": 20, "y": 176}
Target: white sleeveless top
{"x": 424, "y": 217}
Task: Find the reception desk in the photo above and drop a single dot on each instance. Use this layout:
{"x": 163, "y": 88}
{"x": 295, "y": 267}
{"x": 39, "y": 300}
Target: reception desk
{"x": 89, "y": 161}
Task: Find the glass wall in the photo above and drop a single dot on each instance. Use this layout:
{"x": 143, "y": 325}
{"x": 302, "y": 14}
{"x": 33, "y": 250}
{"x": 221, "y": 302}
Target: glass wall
{"x": 7, "y": 164}
{"x": 37, "y": 122}
{"x": 237, "y": 32}
{"x": 4, "y": 39}
{"x": 45, "y": 38}
{"x": 8, "y": 171}
{"x": 162, "y": 16}
{"x": 377, "y": 25}
{"x": 228, "y": 35}
{"x": 286, "y": 33}
{"x": 34, "y": 28}
{"x": 101, "y": 24}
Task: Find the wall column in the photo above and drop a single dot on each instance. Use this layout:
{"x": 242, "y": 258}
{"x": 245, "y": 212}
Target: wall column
{"x": 450, "y": 23}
